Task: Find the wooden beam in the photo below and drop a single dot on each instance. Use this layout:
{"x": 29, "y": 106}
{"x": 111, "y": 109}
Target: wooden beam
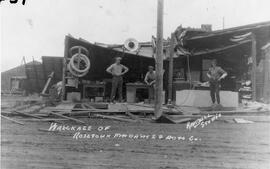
{"x": 10, "y": 119}
{"x": 47, "y": 83}
{"x": 70, "y": 118}
{"x": 266, "y": 84}
{"x": 159, "y": 60}
{"x": 67, "y": 111}
{"x": 64, "y": 68}
{"x": 114, "y": 118}
{"x": 254, "y": 66}
{"x": 221, "y": 48}
{"x": 36, "y": 74}
{"x": 170, "y": 83}
{"x": 130, "y": 114}
{"x": 26, "y": 114}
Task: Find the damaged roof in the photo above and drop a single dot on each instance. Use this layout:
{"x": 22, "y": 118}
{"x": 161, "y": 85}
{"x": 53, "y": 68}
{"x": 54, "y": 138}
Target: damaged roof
{"x": 217, "y": 41}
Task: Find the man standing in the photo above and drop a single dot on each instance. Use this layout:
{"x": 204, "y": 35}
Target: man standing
{"x": 117, "y": 70}
{"x": 150, "y": 79}
{"x": 215, "y": 74}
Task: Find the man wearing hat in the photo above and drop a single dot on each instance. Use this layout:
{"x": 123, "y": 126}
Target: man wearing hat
{"x": 117, "y": 70}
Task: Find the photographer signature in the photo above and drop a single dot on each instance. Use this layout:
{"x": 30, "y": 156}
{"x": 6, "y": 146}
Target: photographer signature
{"x": 203, "y": 121}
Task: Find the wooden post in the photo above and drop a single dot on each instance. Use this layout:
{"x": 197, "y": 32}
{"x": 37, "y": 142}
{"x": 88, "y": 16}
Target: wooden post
{"x": 254, "y": 66}
{"x": 36, "y": 75}
{"x": 47, "y": 84}
{"x": 64, "y": 69}
{"x": 172, "y": 42}
{"x": 159, "y": 60}
{"x": 266, "y": 85}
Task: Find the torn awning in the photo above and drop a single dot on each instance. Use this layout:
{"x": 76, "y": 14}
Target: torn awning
{"x": 222, "y": 40}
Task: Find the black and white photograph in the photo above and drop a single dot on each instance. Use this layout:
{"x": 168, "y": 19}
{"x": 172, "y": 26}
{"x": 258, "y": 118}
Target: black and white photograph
{"x": 135, "y": 84}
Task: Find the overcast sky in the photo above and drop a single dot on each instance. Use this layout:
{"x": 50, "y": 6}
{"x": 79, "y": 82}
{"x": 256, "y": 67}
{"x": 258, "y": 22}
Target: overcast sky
{"x": 38, "y": 28}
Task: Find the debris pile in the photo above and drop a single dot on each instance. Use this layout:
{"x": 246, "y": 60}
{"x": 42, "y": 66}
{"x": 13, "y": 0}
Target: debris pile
{"x": 39, "y": 111}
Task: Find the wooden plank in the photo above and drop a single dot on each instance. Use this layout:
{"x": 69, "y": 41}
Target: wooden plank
{"x": 26, "y": 114}
{"x": 46, "y": 130}
{"x": 70, "y": 118}
{"x": 114, "y": 118}
{"x": 12, "y": 120}
{"x": 14, "y": 112}
{"x": 22, "y": 107}
{"x": 165, "y": 109}
{"x": 259, "y": 119}
{"x": 97, "y": 105}
{"x": 98, "y": 110}
{"x": 45, "y": 120}
{"x": 130, "y": 114}
{"x": 182, "y": 120}
{"x": 234, "y": 112}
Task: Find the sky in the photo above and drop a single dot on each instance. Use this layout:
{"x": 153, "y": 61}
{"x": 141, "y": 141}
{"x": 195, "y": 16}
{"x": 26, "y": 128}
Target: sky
{"x": 38, "y": 28}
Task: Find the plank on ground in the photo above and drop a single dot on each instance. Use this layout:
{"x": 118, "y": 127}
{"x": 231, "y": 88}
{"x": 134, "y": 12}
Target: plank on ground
{"x": 12, "y": 120}
{"x": 114, "y": 118}
{"x": 70, "y": 118}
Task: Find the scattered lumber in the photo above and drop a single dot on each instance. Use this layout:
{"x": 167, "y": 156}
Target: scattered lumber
{"x": 26, "y": 114}
{"x": 186, "y": 116}
{"x": 168, "y": 119}
{"x": 46, "y": 130}
{"x": 242, "y": 121}
{"x": 25, "y": 106}
{"x": 10, "y": 119}
{"x": 132, "y": 116}
{"x": 187, "y": 110}
{"x": 114, "y": 118}
{"x": 164, "y": 119}
{"x": 48, "y": 119}
{"x": 233, "y": 112}
{"x": 254, "y": 118}
{"x": 182, "y": 120}
{"x": 173, "y": 110}
{"x": 98, "y": 110}
{"x": 86, "y": 106}
{"x": 37, "y": 109}
{"x": 14, "y": 112}
{"x": 97, "y": 105}
{"x": 70, "y": 118}
{"x": 66, "y": 106}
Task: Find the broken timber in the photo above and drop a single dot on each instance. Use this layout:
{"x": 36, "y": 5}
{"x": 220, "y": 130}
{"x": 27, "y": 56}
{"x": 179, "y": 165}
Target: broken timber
{"x": 130, "y": 114}
{"x": 10, "y": 119}
{"x": 26, "y": 114}
{"x": 114, "y": 118}
{"x": 70, "y": 118}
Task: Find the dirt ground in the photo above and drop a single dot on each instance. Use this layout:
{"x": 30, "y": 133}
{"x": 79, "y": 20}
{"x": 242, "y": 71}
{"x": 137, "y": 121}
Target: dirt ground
{"x": 219, "y": 145}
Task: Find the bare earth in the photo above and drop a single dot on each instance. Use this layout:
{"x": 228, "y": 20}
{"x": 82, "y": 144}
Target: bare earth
{"x": 222, "y": 145}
